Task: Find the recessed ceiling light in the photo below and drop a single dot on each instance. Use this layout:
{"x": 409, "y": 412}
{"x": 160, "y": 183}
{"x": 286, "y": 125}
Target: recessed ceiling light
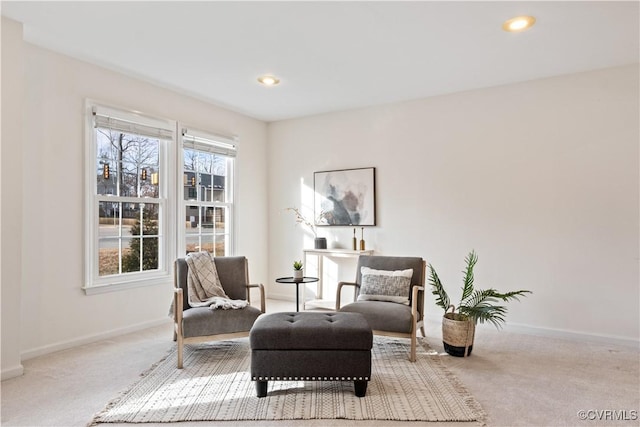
{"x": 519, "y": 23}
{"x": 268, "y": 80}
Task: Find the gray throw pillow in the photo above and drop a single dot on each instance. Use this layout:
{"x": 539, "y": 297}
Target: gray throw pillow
{"x": 383, "y": 285}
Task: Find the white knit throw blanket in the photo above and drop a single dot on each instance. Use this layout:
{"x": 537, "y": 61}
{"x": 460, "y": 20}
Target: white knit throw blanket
{"x": 203, "y": 284}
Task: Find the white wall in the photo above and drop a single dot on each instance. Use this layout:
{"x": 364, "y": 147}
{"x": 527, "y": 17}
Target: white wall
{"x": 11, "y": 200}
{"x": 56, "y": 313}
{"x": 540, "y": 178}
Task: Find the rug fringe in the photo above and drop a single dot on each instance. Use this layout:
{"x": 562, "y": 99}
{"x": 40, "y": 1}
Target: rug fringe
{"x": 458, "y": 384}
{"x": 121, "y": 395}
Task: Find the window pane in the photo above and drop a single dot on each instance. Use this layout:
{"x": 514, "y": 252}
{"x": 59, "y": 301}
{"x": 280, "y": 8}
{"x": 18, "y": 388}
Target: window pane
{"x": 218, "y": 188}
{"x": 149, "y": 219}
{"x": 130, "y": 213}
{"x": 207, "y": 243}
{"x": 108, "y": 257}
{"x": 106, "y": 166}
{"x": 190, "y": 159}
{"x": 205, "y": 185}
{"x": 207, "y": 219}
{"x": 220, "y": 165}
{"x": 130, "y": 255}
{"x": 192, "y": 219}
{"x": 105, "y": 180}
{"x": 220, "y": 219}
{"x": 106, "y": 177}
{"x": 205, "y": 162}
{"x": 109, "y": 219}
{"x": 109, "y": 232}
{"x": 150, "y": 253}
{"x": 105, "y": 148}
{"x": 149, "y": 182}
{"x": 128, "y": 180}
{"x": 189, "y": 186}
{"x": 193, "y": 244}
{"x": 220, "y": 245}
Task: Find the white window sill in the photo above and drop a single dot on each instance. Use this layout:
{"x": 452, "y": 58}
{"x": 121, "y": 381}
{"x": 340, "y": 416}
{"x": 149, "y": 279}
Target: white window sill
{"x": 123, "y": 286}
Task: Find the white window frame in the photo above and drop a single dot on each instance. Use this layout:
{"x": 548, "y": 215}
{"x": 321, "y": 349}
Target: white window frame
{"x": 215, "y": 143}
{"x": 94, "y": 284}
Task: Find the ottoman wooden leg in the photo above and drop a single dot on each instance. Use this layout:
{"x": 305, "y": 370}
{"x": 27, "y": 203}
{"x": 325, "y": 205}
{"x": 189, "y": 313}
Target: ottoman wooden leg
{"x": 360, "y": 388}
{"x": 261, "y": 388}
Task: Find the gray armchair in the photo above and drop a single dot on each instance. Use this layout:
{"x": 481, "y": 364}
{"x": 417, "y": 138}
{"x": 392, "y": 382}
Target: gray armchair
{"x": 391, "y": 318}
{"x": 194, "y": 325}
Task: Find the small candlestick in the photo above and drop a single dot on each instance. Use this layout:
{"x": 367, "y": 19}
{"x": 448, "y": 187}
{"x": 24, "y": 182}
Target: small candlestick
{"x": 362, "y": 240}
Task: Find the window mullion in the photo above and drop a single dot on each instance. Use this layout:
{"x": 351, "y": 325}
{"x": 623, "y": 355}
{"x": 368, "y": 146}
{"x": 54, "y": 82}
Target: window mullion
{"x": 120, "y": 237}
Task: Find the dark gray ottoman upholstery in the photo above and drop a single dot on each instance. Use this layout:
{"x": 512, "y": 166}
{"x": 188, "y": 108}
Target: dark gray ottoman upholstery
{"x": 311, "y": 347}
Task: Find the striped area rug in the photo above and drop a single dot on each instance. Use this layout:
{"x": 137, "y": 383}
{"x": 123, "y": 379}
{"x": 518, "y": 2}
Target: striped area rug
{"x": 215, "y": 385}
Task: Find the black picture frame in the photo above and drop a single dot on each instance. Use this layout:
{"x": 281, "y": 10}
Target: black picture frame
{"x": 345, "y": 197}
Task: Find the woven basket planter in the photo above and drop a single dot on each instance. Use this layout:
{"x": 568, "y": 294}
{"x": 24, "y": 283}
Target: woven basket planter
{"x": 457, "y": 334}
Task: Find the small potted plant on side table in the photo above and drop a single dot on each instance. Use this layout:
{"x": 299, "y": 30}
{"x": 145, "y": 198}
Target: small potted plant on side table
{"x": 298, "y": 272}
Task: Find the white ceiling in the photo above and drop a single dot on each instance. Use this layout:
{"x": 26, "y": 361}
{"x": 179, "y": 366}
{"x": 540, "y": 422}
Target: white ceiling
{"x": 332, "y": 55}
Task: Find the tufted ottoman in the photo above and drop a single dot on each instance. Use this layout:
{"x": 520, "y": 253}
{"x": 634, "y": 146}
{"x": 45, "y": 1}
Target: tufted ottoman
{"x": 311, "y": 347}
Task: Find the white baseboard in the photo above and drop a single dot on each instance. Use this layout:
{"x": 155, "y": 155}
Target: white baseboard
{"x": 557, "y": 333}
{"x": 87, "y": 339}
{"x": 13, "y": 372}
{"x": 282, "y": 297}
{"x": 572, "y": 335}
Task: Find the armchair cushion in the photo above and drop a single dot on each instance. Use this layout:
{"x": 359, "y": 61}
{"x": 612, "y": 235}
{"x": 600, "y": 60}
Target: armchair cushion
{"x": 202, "y": 321}
{"x": 384, "y": 285}
{"x": 383, "y": 316}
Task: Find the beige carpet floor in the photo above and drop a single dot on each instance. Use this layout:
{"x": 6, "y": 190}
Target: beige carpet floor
{"x": 519, "y": 380}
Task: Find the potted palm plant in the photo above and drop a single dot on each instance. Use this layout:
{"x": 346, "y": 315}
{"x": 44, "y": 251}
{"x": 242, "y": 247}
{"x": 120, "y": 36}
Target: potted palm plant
{"x": 458, "y": 325}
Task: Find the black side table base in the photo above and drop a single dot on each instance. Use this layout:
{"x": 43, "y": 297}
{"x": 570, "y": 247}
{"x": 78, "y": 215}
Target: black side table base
{"x": 292, "y": 281}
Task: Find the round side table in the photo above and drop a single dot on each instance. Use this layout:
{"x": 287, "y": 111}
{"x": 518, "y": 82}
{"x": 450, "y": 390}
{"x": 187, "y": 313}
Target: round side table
{"x": 291, "y": 281}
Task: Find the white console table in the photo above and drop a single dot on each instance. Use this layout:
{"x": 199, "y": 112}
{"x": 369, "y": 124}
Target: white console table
{"x": 320, "y": 301}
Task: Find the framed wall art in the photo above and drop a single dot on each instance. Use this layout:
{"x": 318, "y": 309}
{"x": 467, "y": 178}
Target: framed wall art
{"x": 345, "y": 197}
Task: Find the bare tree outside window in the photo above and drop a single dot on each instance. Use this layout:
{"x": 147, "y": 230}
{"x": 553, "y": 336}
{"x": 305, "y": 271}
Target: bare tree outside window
{"x": 128, "y": 155}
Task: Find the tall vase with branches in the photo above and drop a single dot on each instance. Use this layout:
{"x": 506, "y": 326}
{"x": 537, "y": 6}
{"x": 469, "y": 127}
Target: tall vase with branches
{"x": 319, "y": 242}
{"x": 476, "y": 305}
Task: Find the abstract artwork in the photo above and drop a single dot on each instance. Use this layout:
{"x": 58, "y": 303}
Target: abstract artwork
{"x": 345, "y": 197}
